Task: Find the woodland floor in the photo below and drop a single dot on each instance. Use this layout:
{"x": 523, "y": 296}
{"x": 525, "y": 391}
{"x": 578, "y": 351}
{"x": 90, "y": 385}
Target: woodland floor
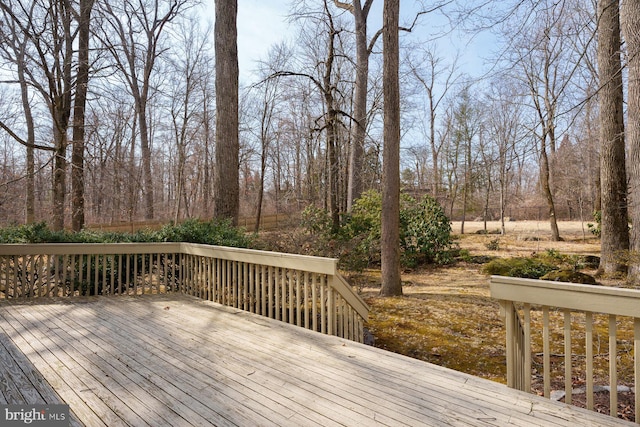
{"x": 447, "y": 317}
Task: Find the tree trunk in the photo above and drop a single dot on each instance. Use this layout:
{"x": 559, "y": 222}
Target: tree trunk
{"x": 615, "y": 230}
{"x": 60, "y": 113}
{"x": 82, "y": 81}
{"x": 59, "y": 180}
{"x": 331, "y": 124}
{"x": 355, "y": 184}
{"x": 546, "y": 190}
{"x": 30, "y": 208}
{"x": 390, "y": 234}
{"x": 630, "y": 20}
{"x": 227, "y": 183}
{"x": 145, "y": 151}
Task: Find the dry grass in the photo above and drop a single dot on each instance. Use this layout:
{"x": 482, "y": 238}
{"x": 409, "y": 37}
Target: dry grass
{"x": 447, "y": 317}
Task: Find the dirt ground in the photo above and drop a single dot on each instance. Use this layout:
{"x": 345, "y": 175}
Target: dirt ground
{"x": 447, "y": 316}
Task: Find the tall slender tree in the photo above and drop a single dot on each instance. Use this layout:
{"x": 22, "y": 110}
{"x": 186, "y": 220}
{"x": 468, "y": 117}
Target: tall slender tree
{"x": 630, "y": 20}
{"x": 390, "y": 233}
{"x": 79, "y": 106}
{"x": 226, "y": 182}
{"x": 360, "y": 12}
{"x": 615, "y": 230}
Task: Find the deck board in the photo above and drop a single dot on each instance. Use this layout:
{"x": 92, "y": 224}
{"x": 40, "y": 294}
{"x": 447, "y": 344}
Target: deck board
{"x": 175, "y": 360}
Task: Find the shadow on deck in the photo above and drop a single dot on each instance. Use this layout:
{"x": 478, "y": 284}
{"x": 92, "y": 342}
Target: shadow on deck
{"x": 176, "y": 360}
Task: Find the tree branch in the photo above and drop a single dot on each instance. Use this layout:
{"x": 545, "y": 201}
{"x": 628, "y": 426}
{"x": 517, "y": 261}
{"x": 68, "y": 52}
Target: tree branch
{"x": 342, "y": 5}
{"x": 423, "y": 12}
{"x": 15, "y": 136}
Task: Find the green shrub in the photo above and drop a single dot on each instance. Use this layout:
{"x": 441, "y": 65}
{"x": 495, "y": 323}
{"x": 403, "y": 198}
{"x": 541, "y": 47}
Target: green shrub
{"x": 595, "y": 229}
{"x": 193, "y": 231}
{"x": 493, "y": 245}
{"x": 316, "y": 220}
{"x": 213, "y": 232}
{"x": 425, "y": 232}
{"x": 531, "y": 268}
{"x": 33, "y": 233}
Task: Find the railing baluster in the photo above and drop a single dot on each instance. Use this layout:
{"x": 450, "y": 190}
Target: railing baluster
{"x": 112, "y": 283}
{"x": 128, "y": 274}
{"x": 323, "y": 305}
{"x": 81, "y": 272}
{"x": 527, "y": 347}
{"x": 244, "y": 283}
{"x": 271, "y": 297}
{"x": 588, "y": 326}
{"x": 277, "y": 294}
{"x": 298, "y": 300}
{"x": 68, "y": 261}
{"x": 314, "y": 302}
{"x": 117, "y": 267}
{"x": 100, "y": 263}
{"x": 511, "y": 355}
{"x": 93, "y": 271}
{"x": 568, "y": 378}
{"x": 546, "y": 352}
{"x": 292, "y": 296}
{"x": 636, "y": 367}
{"x": 284, "y": 294}
{"x": 263, "y": 290}
{"x": 613, "y": 372}
{"x": 306, "y": 300}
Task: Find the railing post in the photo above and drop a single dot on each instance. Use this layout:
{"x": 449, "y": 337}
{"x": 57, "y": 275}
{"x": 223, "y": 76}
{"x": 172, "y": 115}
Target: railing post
{"x": 506, "y": 310}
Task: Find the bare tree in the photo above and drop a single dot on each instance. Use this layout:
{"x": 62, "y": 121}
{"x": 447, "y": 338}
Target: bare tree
{"x": 466, "y": 127}
{"x": 504, "y": 124}
{"x": 137, "y": 27}
{"x": 390, "y": 233}
{"x": 364, "y": 47}
{"x": 548, "y": 62}
{"x": 615, "y": 234}
{"x": 270, "y": 97}
{"x": 227, "y": 186}
{"x": 79, "y": 106}
{"x": 325, "y": 77}
{"x": 428, "y": 70}
{"x": 48, "y": 28}
{"x": 630, "y": 20}
{"x": 191, "y": 63}
{"x": 14, "y": 45}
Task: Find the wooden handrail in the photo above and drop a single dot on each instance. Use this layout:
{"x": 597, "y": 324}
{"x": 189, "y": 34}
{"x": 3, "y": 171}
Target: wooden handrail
{"x": 302, "y": 290}
{"x": 521, "y": 295}
{"x": 573, "y": 296}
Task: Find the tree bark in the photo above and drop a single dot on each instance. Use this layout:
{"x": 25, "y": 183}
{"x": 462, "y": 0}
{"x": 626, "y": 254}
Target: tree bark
{"x": 331, "y": 129}
{"x": 359, "y": 130}
{"x": 80, "y": 102}
{"x": 61, "y": 112}
{"x": 390, "y": 233}
{"x": 226, "y": 184}
{"x": 615, "y": 229}
{"x": 630, "y": 21}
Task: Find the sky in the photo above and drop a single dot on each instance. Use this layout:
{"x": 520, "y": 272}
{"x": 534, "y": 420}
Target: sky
{"x": 263, "y": 23}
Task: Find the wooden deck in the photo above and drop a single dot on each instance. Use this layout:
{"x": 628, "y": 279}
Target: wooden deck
{"x": 168, "y": 360}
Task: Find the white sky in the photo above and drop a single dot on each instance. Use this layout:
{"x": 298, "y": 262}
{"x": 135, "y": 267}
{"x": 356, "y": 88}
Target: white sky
{"x": 261, "y": 24}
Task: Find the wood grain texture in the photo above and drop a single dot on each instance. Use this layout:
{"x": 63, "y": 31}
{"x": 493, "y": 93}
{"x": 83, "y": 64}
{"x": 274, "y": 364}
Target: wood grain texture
{"x": 176, "y": 360}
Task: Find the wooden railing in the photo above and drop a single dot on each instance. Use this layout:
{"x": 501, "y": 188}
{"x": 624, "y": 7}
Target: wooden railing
{"x": 543, "y": 318}
{"x": 301, "y": 290}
